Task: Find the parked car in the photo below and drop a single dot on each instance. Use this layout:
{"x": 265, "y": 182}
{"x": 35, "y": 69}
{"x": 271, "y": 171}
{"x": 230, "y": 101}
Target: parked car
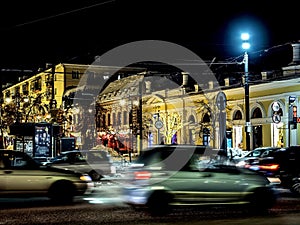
{"x": 96, "y": 163}
{"x": 163, "y": 177}
{"x": 283, "y": 164}
{"x": 42, "y": 160}
{"x": 22, "y": 176}
{"x": 252, "y": 157}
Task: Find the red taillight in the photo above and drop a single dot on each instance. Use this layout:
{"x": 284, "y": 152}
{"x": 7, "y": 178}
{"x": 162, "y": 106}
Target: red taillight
{"x": 270, "y": 167}
{"x": 142, "y": 175}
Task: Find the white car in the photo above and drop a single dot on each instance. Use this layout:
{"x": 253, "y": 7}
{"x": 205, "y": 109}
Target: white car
{"x": 22, "y": 176}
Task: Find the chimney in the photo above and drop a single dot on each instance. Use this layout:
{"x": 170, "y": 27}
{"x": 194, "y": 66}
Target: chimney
{"x": 148, "y": 86}
{"x": 210, "y": 85}
{"x": 185, "y": 77}
{"x": 227, "y": 81}
{"x": 296, "y": 53}
{"x": 264, "y": 75}
{"x": 196, "y": 87}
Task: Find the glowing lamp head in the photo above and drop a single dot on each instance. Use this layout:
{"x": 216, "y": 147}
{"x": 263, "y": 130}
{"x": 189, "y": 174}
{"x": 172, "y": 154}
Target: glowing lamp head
{"x": 246, "y": 45}
{"x": 245, "y": 38}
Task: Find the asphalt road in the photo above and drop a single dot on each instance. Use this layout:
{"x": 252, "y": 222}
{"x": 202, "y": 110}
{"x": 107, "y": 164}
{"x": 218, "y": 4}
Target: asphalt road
{"x": 104, "y": 206}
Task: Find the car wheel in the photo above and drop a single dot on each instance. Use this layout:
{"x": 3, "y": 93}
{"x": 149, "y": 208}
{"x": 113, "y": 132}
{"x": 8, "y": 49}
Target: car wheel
{"x": 159, "y": 203}
{"x": 95, "y": 175}
{"x": 261, "y": 201}
{"x": 62, "y": 192}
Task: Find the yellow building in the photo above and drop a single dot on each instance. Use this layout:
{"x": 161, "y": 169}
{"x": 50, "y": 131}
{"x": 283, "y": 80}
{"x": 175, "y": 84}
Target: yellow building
{"x": 41, "y": 99}
{"x": 137, "y": 110}
{"x": 196, "y": 118}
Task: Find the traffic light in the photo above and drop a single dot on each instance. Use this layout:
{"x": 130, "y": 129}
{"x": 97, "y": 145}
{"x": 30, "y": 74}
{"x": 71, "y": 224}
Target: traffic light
{"x": 292, "y": 112}
{"x": 294, "y": 121}
{"x": 292, "y": 99}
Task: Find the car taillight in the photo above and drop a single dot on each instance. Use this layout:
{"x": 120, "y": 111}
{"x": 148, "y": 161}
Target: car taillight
{"x": 270, "y": 167}
{"x": 142, "y": 175}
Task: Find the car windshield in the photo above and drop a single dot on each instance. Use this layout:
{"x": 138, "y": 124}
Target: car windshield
{"x": 261, "y": 152}
{"x": 82, "y": 156}
{"x": 173, "y": 159}
{"x": 17, "y": 160}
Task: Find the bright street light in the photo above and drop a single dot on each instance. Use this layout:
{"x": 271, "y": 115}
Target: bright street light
{"x": 245, "y": 38}
{"x": 246, "y": 45}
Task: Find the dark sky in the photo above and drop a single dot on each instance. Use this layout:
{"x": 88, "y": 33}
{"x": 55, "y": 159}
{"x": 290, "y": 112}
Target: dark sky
{"x": 34, "y": 33}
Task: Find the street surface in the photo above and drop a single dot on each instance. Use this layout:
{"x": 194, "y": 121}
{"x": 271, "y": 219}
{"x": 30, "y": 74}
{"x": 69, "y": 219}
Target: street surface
{"x": 104, "y": 206}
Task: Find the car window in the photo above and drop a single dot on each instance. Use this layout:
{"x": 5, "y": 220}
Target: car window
{"x": 265, "y": 153}
{"x": 151, "y": 158}
{"x": 72, "y": 157}
{"x": 195, "y": 163}
{"x": 17, "y": 160}
{"x": 256, "y": 153}
{"x": 96, "y": 157}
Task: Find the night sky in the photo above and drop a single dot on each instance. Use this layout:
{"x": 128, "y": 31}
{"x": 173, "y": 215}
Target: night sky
{"x": 36, "y": 33}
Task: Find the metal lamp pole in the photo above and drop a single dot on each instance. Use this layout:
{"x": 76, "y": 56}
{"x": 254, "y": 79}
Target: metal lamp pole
{"x": 245, "y": 46}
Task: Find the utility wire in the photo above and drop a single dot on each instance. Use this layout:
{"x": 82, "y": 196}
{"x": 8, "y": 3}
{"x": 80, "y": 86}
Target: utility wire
{"x": 233, "y": 60}
{"x": 64, "y": 13}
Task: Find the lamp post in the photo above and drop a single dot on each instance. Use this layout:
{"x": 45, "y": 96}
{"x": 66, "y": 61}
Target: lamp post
{"x": 246, "y": 45}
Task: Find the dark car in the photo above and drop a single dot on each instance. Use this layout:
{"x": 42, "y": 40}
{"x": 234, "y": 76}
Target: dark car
{"x": 96, "y": 163}
{"x": 284, "y": 164}
{"x": 167, "y": 176}
{"x": 252, "y": 157}
{"x": 22, "y": 176}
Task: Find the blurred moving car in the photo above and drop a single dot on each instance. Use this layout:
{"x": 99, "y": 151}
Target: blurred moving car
{"x": 283, "y": 164}
{"x": 96, "y": 163}
{"x": 22, "y": 176}
{"x": 163, "y": 177}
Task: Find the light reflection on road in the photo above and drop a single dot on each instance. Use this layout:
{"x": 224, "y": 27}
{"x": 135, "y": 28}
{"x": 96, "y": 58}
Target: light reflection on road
{"x": 106, "y": 193}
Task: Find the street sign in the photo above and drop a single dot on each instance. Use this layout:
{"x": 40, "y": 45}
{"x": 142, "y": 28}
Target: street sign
{"x": 221, "y": 100}
{"x": 276, "y": 118}
{"x": 159, "y": 124}
{"x": 275, "y": 106}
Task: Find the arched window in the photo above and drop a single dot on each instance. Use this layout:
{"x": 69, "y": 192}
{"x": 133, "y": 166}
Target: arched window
{"x": 257, "y": 113}
{"x": 237, "y": 115}
{"x": 206, "y": 118}
{"x": 191, "y": 119}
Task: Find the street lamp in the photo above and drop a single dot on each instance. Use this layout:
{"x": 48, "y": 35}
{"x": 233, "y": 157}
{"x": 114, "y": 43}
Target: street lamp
{"x": 246, "y": 45}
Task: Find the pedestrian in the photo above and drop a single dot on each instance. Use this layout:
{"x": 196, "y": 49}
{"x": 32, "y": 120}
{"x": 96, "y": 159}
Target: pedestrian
{"x": 174, "y": 139}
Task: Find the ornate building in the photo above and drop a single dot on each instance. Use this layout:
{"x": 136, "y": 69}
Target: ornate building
{"x": 130, "y": 108}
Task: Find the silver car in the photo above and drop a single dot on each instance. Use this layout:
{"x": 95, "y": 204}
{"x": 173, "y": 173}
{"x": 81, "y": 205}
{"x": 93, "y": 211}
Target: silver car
{"x": 22, "y": 176}
{"x": 167, "y": 176}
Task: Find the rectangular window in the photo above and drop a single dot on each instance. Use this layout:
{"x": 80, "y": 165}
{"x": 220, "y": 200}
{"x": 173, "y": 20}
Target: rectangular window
{"x": 114, "y": 120}
{"x": 75, "y": 74}
{"x": 25, "y": 89}
{"x": 125, "y": 115}
{"x": 108, "y": 120}
{"x": 119, "y": 118}
{"x": 103, "y": 121}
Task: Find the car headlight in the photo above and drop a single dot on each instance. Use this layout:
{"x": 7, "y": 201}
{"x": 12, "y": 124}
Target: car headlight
{"x": 85, "y": 178}
{"x": 241, "y": 164}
